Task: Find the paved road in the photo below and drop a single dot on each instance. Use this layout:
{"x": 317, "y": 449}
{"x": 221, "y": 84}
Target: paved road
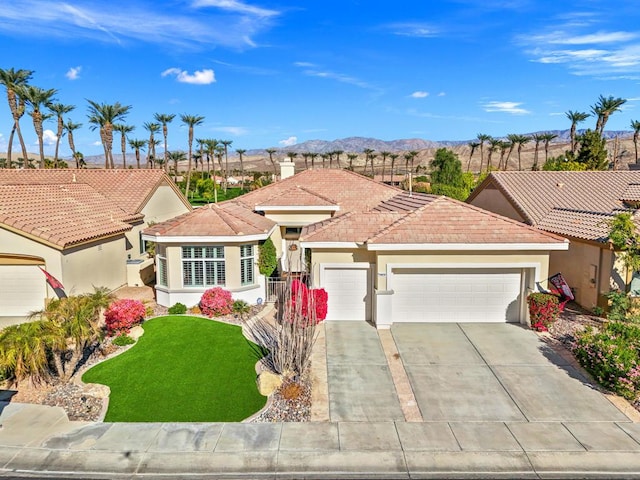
{"x": 496, "y": 403}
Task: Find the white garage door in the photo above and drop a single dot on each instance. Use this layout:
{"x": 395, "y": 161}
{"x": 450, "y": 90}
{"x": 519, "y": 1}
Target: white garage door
{"x": 22, "y": 290}
{"x": 456, "y": 295}
{"x": 348, "y": 292}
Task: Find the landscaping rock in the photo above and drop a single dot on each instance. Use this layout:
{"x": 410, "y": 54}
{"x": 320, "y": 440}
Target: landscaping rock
{"x": 268, "y": 383}
{"x": 136, "y": 332}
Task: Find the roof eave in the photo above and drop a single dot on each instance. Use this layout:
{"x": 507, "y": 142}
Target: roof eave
{"x": 564, "y": 245}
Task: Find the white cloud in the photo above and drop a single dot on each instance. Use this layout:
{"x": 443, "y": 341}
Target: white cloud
{"x": 73, "y": 73}
{"x": 421, "y": 30}
{"x": 97, "y": 143}
{"x": 564, "y": 38}
{"x": 420, "y": 94}
{"x": 236, "y": 6}
{"x": 441, "y": 94}
{"x": 236, "y": 131}
{"x": 49, "y": 138}
{"x": 505, "y": 107}
{"x": 199, "y": 77}
{"x": 287, "y": 142}
{"x": 314, "y": 71}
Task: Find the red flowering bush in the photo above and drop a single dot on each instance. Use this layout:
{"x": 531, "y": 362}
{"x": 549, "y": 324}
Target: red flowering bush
{"x": 216, "y": 302}
{"x": 122, "y": 315}
{"x": 544, "y": 309}
{"x": 310, "y": 304}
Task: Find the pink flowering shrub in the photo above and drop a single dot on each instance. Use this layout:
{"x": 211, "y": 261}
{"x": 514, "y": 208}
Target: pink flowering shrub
{"x": 216, "y": 302}
{"x": 122, "y": 315}
{"x": 310, "y": 304}
{"x": 544, "y": 309}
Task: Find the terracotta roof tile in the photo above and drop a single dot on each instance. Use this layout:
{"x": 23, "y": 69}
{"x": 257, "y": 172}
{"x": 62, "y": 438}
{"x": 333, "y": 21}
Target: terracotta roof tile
{"x": 631, "y": 194}
{"x": 350, "y": 227}
{"x": 405, "y": 202}
{"x": 130, "y": 188}
{"x": 577, "y": 224}
{"x": 351, "y": 191}
{"x": 63, "y": 215}
{"x": 449, "y": 221}
{"x": 222, "y": 219}
{"x": 296, "y": 195}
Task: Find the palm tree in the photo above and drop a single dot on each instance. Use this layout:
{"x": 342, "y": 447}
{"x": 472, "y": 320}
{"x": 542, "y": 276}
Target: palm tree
{"x": 325, "y": 157}
{"x": 337, "y": 153}
{"x": 351, "y": 157}
{"x": 69, "y": 126}
{"x": 635, "y": 125}
{"x": 191, "y": 121}
{"x": 164, "y": 119}
{"x": 292, "y": 156}
{"x": 537, "y": 138}
{"x": 38, "y": 98}
{"x": 271, "y": 151}
{"x": 124, "y": 130}
{"x": 176, "y": 157}
{"x": 103, "y": 116}
{"x": 482, "y": 137}
{"x": 137, "y": 145}
{"x": 226, "y": 144}
{"x": 604, "y": 108}
{"x": 211, "y": 144}
{"x": 473, "y": 146}
{"x": 494, "y": 145}
{"x": 313, "y": 159}
{"x": 412, "y": 155}
{"x": 576, "y": 118}
{"x": 393, "y": 157}
{"x": 384, "y": 154}
{"x": 513, "y": 141}
{"x": 152, "y": 128}
{"x": 59, "y": 110}
{"x": 240, "y": 152}
{"x": 305, "y": 156}
{"x": 13, "y": 79}
{"x": 367, "y": 156}
{"x": 547, "y": 137}
{"x": 521, "y": 140}
{"x": 504, "y": 147}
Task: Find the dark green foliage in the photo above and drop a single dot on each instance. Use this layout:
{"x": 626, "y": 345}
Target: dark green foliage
{"x": 563, "y": 163}
{"x": 241, "y": 307}
{"x": 177, "y": 309}
{"x": 123, "y": 340}
{"x": 624, "y": 237}
{"x": 612, "y": 355}
{"x": 267, "y": 259}
{"x": 593, "y": 151}
{"x": 183, "y": 369}
{"x": 446, "y": 168}
{"x": 459, "y": 193}
{"x": 619, "y": 305}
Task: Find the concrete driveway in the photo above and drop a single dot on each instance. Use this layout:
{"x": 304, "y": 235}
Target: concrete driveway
{"x": 458, "y": 373}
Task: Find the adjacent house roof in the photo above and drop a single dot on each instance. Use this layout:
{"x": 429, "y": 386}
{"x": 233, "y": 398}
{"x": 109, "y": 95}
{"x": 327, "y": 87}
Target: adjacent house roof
{"x": 130, "y": 189}
{"x": 574, "y": 204}
{"x": 297, "y": 196}
{"x": 348, "y": 228}
{"x": 227, "y": 219}
{"x": 62, "y": 215}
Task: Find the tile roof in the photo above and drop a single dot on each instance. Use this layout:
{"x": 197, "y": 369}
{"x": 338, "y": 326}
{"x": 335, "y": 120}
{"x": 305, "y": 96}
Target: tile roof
{"x": 350, "y": 227}
{"x": 577, "y": 224}
{"x": 631, "y": 194}
{"x": 297, "y": 196}
{"x": 130, "y": 188}
{"x": 63, "y": 215}
{"x": 535, "y": 194}
{"x": 350, "y": 191}
{"x": 405, "y": 202}
{"x": 214, "y": 220}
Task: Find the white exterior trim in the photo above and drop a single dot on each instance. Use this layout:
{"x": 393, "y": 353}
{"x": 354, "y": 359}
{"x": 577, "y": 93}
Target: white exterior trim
{"x": 329, "y": 244}
{"x": 493, "y": 266}
{"x": 207, "y": 239}
{"x": 297, "y": 208}
{"x": 468, "y": 246}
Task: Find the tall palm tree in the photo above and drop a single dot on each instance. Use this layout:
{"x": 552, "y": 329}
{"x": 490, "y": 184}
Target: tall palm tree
{"x": 337, "y": 153}
{"x": 137, "y": 145}
{"x": 292, "y": 156}
{"x": 324, "y": 157}
{"x": 202, "y": 143}
{"x": 103, "y": 116}
{"x": 575, "y": 118}
{"x": 190, "y": 121}
{"x": 271, "y": 151}
{"x": 547, "y": 137}
{"x": 384, "y": 154}
{"x": 368, "y": 152}
{"x": 393, "y": 157}
{"x": 635, "y": 125}
{"x": 473, "y": 146}
{"x": 537, "y": 138}
{"x": 38, "y": 98}
{"x": 124, "y": 130}
{"x": 504, "y": 148}
{"x": 521, "y": 140}
{"x": 226, "y": 144}
{"x": 351, "y": 157}
{"x": 412, "y": 156}
{"x": 164, "y": 119}
{"x": 152, "y": 128}
{"x": 211, "y": 144}
{"x": 482, "y": 137}
{"x": 176, "y": 157}
{"x": 513, "y": 141}
{"x": 305, "y": 156}
{"x": 313, "y": 157}
{"x": 604, "y": 108}
{"x": 70, "y": 127}
{"x": 59, "y": 110}
{"x": 12, "y": 79}
{"x": 494, "y": 146}
{"x": 241, "y": 152}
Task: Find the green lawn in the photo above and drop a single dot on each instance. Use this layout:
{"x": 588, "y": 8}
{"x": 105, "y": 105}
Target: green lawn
{"x": 183, "y": 369}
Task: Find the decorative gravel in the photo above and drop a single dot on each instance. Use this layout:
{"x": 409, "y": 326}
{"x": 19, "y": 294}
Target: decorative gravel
{"x": 285, "y": 410}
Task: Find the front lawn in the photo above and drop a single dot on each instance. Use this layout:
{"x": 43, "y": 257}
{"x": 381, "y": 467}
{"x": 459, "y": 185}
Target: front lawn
{"x": 183, "y": 369}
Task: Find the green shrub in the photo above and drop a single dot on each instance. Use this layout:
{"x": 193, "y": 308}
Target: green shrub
{"x": 459, "y": 193}
{"x": 612, "y": 356}
{"x": 619, "y": 305}
{"x": 544, "y": 309}
{"x": 267, "y": 258}
{"x": 123, "y": 340}
{"x": 241, "y": 307}
{"x": 178, "y": 309}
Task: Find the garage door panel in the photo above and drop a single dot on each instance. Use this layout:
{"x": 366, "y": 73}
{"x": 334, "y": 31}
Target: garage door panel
{"x": 348, "y": 292}
{"x": 456, "y": 295}
{"x": 22, "y": 290}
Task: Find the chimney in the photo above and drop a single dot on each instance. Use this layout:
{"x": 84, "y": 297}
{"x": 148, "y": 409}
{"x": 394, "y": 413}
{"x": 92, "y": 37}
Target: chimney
{"x": 287, "y": 169}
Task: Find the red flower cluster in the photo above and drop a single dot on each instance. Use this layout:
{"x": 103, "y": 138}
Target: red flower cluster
{"x": 544, "y": 309}
{"x": 313, "y": 302}
{"x": 122, "y": 315}
{"x": 216, "y": 302}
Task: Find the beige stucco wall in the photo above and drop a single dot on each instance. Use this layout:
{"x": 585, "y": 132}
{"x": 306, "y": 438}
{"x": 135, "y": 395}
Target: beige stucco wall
{"x": 321, "y": 256}
{"x": 492, "y": 200}
{"x": 297, "y": 218}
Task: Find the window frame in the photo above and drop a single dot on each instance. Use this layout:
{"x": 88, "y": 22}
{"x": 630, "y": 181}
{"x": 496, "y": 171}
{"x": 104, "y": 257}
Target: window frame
{"x": 203, "y": 265}
{"x": 247, "y": 265}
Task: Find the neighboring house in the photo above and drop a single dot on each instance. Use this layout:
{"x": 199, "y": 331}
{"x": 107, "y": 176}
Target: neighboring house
{"x": 576, "y": 205}
{"x": 382, "y": 254}
{"x": 81, "y": 226}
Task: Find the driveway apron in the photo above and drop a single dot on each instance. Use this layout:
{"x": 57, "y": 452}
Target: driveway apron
{"x": 360, "y": 383}
{"x": 494, "y": 372}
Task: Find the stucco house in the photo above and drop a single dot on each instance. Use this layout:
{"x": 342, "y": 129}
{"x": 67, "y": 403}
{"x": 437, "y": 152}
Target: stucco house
{"x": 576, "y": 205}
{"x": 382, "y": 254}
{"x": 81, "y": 226}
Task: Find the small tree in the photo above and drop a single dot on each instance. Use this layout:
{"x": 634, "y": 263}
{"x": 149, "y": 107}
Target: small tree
{"x": 593, "y": 151}
{"x": 267, "y": 258}
{"x": 446, "y": 168}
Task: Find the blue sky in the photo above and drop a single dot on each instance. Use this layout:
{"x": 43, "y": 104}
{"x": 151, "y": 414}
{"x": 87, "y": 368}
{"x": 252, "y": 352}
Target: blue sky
{"x": 268, "y": 73}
